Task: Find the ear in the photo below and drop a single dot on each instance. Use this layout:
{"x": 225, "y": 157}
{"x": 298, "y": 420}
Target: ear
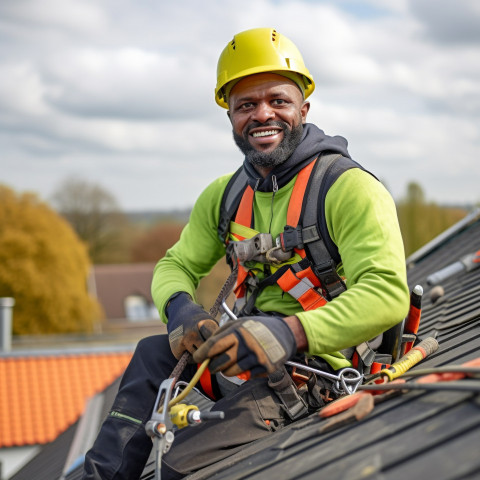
{"x": 304, "y": 111}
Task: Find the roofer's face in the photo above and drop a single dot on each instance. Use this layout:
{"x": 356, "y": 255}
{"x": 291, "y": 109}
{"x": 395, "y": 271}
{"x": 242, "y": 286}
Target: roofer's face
{"x": 257, "y": 100}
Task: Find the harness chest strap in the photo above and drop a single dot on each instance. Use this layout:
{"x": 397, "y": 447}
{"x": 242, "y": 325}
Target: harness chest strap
{"x": 301, "y": 286}
{"x": 299, "y": 280}
{"x": 313, "y": 181}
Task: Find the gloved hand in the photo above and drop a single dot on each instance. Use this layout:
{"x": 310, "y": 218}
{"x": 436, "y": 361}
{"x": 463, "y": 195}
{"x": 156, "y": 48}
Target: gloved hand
{"x": 189, "y": 325}
{"x": 251, "y": 343}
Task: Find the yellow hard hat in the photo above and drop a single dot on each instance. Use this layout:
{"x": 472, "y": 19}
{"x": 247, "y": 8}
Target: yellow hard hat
{"x": 260, "y": 50}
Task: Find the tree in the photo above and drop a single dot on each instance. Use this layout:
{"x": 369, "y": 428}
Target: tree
{"x": 45, "y": 267}
{"x": 420, "y": 221}
{"x": 95, "y": 215}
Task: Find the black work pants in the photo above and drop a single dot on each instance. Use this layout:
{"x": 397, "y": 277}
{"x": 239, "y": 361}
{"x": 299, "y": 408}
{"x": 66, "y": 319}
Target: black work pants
{"x": 122, "y": 446}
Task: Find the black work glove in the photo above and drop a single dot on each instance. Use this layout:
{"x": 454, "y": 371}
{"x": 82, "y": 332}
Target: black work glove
{"x": 257, "y": 344}
{"x": 189, "y": 325}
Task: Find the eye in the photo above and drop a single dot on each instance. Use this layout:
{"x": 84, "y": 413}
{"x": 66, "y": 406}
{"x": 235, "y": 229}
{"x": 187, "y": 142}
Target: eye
{"x": 245, "y": 106}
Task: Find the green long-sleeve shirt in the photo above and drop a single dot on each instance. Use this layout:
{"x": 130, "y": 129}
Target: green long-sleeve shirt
{"x": 362, "y": 221}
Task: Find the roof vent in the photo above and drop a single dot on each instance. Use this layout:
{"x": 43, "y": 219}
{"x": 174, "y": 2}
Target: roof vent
{"x": 6, "y": 307}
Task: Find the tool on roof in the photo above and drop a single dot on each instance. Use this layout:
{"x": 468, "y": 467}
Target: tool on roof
{"x": 437, "y": 378}
{"x": 361, "y": 406}
{"x": 446, "y": 374}
{"x": 169, "y": 415}
{"x": 444, "y": 378}
{"x": 412, "y": 321}
{"x": 389, "y": 378}
{"x": 465, "y": 264}
{"x": 349, "y": 401}
{"x": 415, "y": 355}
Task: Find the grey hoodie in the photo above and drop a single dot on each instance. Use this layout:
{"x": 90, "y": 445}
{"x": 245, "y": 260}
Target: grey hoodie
{"x": 313, "y": 142}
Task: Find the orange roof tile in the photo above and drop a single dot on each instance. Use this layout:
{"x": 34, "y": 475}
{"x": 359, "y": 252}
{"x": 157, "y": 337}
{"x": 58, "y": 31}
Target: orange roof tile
{"x": 40, "y": 396}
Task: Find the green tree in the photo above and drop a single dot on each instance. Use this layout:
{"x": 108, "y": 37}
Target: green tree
{"x": 94, "y": 214}
{"x": 421, "y": 221}
{"x": 45, "y": 268}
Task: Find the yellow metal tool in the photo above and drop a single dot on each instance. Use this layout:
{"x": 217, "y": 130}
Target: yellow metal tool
{"x": 415, "y": 355}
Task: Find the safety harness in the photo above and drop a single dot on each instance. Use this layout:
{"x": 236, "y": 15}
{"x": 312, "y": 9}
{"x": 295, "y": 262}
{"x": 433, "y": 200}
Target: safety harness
{"x": 303, "y": 259}
{"x": 298, "y": 260}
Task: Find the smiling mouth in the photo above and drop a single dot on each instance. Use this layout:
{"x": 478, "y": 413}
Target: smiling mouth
{"x": 265, "y": 133}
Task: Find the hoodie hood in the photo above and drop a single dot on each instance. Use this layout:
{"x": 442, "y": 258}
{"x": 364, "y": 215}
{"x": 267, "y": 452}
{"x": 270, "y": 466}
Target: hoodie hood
{"x": 313, "y": 142}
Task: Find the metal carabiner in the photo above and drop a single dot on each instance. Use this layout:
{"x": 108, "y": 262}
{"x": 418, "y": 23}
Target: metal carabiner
{"x": 347, "y": 381}
{"x": 343, "y": 384}
{"x": 160, "y": 427}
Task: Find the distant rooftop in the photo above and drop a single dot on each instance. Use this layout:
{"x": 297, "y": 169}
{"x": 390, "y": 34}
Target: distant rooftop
{"x": 42, "y": 395}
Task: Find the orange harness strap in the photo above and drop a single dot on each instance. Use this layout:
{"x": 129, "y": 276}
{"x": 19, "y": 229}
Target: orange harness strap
{"x": 206, "y": 382}
{"x": 245, "y": 209}
{"x": 301, "y": 285}
{"x": 296, "y": 200}
{"x": 244, "y": 217}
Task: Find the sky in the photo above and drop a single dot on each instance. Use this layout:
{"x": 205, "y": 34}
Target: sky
{"x": 120, "y": 93}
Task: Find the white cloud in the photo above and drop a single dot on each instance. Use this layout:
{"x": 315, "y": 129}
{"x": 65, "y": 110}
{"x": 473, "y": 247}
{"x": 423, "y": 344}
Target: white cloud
{"x": 21, "y": 90}
{"x": 122, "y": 92}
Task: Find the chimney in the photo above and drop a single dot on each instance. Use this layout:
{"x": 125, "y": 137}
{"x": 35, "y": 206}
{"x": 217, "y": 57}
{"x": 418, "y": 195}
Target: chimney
{"x": 6, "y": 307}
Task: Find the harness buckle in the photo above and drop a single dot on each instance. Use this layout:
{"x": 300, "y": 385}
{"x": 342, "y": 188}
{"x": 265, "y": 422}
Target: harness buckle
{"x": 259, "y": 249}
{"x": 277, "y": 255}
{"x": 330, "y": 282}
{"x": 253, "y": 249}
{"x": 290, "y": 238}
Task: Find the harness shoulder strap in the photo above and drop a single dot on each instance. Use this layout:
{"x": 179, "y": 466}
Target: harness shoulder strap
{"x": 320, "y": 248}
{"x": 230, "y": 201}
{"x": 328, "y": 169}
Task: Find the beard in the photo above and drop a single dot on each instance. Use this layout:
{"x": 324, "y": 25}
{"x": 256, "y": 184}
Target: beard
{"x": 290, "y": 141}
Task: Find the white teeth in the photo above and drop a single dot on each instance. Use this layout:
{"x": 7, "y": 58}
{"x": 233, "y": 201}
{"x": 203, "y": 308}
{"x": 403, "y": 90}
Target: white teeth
{"x": 265, "y": 134}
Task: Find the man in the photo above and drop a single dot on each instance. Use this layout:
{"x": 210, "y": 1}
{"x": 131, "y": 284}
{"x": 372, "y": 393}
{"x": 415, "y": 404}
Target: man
{"x": 281, "y": 291}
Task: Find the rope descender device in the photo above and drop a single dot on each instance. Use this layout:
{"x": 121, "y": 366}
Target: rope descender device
{"x": 169, "y": 415}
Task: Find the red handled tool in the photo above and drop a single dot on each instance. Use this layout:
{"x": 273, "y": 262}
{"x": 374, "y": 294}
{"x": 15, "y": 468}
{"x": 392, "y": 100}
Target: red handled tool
{"x": 387, "y": 375}
{"x": 412, "y": 321}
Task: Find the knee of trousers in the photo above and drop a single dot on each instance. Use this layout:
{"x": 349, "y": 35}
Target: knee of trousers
{"x": 120, "y": 451}
{"x": 152, "y": 362}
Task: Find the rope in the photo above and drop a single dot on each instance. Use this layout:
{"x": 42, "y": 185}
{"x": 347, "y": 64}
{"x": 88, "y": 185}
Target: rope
{"x": 180, "y": 367}
{"x": 224, "y": 292}
{"x": 186, "y": 356}
{"x": 464, "y": 385}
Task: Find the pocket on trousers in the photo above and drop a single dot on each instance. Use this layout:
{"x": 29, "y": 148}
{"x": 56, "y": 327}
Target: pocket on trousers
{"x": 269, "y": 406}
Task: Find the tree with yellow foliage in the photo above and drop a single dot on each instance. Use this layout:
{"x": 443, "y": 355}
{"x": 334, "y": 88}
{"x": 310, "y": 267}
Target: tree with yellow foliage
{"x": 44, "y": 267}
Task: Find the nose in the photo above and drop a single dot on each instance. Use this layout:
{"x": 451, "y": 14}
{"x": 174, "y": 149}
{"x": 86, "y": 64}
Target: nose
{"x": 264, "y": 112}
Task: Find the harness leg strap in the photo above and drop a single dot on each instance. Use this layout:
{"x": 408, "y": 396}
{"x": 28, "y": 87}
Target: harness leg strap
{"x": 282, "y": 384}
